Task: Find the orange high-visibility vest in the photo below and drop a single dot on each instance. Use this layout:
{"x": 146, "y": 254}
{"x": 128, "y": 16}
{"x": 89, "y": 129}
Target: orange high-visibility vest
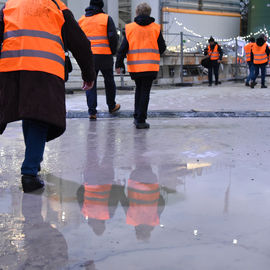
{"x": 248, "y": 49}
{"x": 143, "y": 203}
{"x": 143, "y": 54}
{"x": 259, "y": 54}
{"x": 96, "y": 201}
{"x": 96, "y": 29}
{"x": 32, "y": 37}
{"x": 269, "y": 57}
{"x": 214, "y": 55}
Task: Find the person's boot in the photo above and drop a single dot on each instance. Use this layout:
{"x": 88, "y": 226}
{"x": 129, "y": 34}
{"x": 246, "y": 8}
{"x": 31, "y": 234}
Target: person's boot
{"x": 263, "y": 86}
{"x": 31, "y": 183}
{"x": 247, "y": 84}
{"x": 142, "y": 125}
{"x": 116, "y": 108}
{"x": 93, "y": 117}
{"x": 252, "y": 84}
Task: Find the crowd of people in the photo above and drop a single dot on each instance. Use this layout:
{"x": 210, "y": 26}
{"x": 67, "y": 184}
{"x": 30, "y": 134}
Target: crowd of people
{"x": 35, "y": 36}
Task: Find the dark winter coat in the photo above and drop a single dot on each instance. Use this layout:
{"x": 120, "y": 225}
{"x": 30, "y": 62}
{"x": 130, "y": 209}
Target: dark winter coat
{"x": 260, "y": 42}
{"x": 212, "y": 48}
{"x": 143, "y": 21}
{"x": 39, "y": 95}
{"x": 104, "y": 61}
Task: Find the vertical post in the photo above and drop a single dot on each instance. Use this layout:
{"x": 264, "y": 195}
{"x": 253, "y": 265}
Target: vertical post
{"x": 182, "y": 57}
{"x": 236, "y": 57}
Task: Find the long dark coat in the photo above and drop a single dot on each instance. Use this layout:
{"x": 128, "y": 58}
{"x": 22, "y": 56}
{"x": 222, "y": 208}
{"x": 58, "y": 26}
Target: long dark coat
{"x": 39, "y": 95}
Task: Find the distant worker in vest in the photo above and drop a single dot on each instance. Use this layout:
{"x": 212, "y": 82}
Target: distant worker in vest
{"x": 248, "y": 49}
{"x": 143, "y": 45}
{"x": 215, "y": 53}
{"x": 260, "y": 57}
{"x": 32, "y": 72}
{"x": 100, "y": 30}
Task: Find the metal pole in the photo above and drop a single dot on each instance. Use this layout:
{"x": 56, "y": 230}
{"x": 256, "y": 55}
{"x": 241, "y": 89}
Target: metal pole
{"x": 182, "y": 57}
{"x": 236, "y": 57}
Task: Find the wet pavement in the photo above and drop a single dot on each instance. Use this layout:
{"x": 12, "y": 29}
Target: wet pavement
{"x": 186, "y": 194}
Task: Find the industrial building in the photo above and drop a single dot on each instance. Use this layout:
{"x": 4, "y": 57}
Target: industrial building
{"x": 258, "y": 15}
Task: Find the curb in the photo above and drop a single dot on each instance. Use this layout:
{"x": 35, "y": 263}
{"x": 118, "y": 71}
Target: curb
{"x": 175, "y": 114}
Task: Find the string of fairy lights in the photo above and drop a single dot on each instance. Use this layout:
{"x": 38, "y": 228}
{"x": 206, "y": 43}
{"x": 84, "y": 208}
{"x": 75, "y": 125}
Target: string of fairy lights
{"x": 201, "y": 44}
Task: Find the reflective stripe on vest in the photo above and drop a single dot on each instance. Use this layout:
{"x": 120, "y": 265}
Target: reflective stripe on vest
{"x": 143, "y": 54}
{"x": 143, "y": 203}
{"x": 214, "y": 55}
{"x": 95, "y": 28}
{"x": 248, "y": 48}
{"x": 96, "y": 201}
{"x": 259, "y": 54}
{"x": 33, "y": 40}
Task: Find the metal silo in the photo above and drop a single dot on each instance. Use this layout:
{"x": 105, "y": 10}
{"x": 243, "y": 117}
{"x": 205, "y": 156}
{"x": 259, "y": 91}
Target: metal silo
{"x": 258, "y": 18}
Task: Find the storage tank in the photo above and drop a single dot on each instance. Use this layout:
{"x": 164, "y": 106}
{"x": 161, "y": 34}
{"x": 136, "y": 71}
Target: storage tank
{"x": 258, "y": 15}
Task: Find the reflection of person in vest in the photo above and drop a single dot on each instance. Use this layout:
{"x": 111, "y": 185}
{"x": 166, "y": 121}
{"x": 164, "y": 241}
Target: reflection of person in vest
{"x": 248, "y": 48}
{"x": 260, "y": 56}
{"x": 144, "y": 200}
{"x": 145, "y": 203}
{"x": 101, "y": 31}
{"x": 143, "y": 45}
{"x": 45, "y": 246}
{"x": 98, "y": 175}
{"x": 32, "y": 73}
{"x": 215, "y": 53}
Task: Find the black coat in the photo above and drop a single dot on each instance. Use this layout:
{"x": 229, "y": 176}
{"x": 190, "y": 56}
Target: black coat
{"x": 143, "y": 21}
{"x": 39, "y": 95}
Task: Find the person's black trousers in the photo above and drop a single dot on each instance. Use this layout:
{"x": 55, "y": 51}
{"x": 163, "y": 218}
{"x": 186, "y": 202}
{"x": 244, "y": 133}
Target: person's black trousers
{"x": 110, "y": 89}
{"x": 142, "y": 97}
{"x": 214, "y": 67}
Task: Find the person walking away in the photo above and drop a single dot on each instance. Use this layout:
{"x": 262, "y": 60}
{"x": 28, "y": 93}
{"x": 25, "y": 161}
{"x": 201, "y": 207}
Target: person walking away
{"x": 100, "y": 30}
{"x": 260, "y": 57}
{"x": 143, "y": 44}
{"x": 248, "y": 49}
{"x": 32, "y": 87}
{"x": 215, "y": 53}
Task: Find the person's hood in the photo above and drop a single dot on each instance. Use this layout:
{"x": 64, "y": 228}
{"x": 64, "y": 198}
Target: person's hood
{"x": 144, "y": 20}
{"x": 260, "y": 41}
{"x": 93, "y": 10}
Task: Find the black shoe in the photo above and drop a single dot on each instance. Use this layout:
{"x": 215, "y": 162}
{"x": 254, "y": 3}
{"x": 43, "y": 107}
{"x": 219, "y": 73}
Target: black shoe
{"x": 217, "y": 83}
{"x": 31, "y": 183}
{"x": 252, "y": 84}
{"x": 247, "y": 84}
{"x": 142, "y": 125}
{"x": 263, "y": 86}
{"x": 210, "y": 84}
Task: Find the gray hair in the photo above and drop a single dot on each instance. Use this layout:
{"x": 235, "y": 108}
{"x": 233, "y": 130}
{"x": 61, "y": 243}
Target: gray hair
{"x": 143, "y": 9}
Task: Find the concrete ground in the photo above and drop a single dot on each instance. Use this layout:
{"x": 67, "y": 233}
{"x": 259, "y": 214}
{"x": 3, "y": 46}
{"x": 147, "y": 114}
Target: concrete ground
{"x": 208, "y": 180}
{"x": 228, "y": 97}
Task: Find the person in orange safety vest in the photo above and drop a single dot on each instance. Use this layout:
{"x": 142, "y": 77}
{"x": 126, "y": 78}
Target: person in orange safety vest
{"x": 32, "y": 73}
{"x": 143, "y": 44}
{"x": 101, "y": 31}
{"x": 215, "y": 53}
{"x": 248, "y": 49}
{"x": 260, "y": 57}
